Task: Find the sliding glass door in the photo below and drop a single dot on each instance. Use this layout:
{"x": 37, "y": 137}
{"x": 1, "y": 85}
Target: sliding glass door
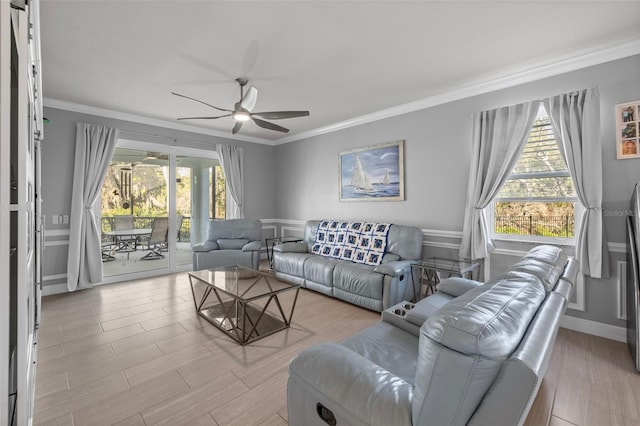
{"x": 156, "y": 203}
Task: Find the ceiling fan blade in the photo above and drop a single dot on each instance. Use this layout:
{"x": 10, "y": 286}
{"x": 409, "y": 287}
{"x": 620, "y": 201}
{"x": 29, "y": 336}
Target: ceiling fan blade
{"x": 236, "y": 128}
{"x": 204, "y": 103}
{"x": 250, "y": 98}
{"x": 203, "y": 118}
{"x": 278, "y": 115}
{"x": 270, "y": 126}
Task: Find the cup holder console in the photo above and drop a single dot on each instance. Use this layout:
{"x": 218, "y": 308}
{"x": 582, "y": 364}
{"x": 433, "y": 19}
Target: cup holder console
{"x": 401, "y": 310}
{"x": 397, "y": 315}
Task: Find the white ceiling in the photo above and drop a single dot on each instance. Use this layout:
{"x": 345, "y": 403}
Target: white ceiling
{"x": 340, "y": 60}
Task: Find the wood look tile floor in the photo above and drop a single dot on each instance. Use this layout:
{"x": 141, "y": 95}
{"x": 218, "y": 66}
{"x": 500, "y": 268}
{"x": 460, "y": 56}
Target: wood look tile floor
{"x": 135, "y": 353}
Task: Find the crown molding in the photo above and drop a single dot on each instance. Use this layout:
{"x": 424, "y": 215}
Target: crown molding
{"x": 582, "y": 60}
{"x": 103, "y": 112}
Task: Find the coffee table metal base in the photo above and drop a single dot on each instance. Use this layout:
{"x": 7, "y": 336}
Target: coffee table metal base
{"x": 243, "y": 322}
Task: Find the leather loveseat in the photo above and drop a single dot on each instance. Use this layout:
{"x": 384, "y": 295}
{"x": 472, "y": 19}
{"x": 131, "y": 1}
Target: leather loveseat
{"x": 473, "y": 354}
{"x": 229, "y": 242}
{"x": 373, "y": 287}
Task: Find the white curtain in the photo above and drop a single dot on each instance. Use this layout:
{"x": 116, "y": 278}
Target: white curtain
{"x": 575, "y": 118}
{"x": 498, "y": 138}
{"x": 232, "y": 161}
{"x": 94, "y": 148}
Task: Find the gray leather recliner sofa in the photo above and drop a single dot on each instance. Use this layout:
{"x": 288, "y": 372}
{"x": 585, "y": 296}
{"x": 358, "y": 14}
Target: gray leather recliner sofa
{"x": 229, "y": 242}
{"x": 372, "y": 287}
{"x": 477, "y": 359}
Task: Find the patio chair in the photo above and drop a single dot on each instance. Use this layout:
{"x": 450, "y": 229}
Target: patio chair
{"x": 165, "y": 245}
{"x": 157, "y": 238}
{"x": 107, "y": 248}
{"x": 125, "y": 223}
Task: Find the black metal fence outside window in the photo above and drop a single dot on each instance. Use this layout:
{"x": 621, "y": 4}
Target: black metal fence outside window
{"x": 548, "y": 226}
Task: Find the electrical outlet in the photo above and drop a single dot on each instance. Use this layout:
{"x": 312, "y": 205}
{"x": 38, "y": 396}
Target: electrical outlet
{"x": 65, "y": 219}
{"x": 54, "y": 218}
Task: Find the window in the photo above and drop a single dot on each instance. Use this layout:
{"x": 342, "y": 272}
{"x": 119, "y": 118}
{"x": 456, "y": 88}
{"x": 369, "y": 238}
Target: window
{"x": 538, "y": 200}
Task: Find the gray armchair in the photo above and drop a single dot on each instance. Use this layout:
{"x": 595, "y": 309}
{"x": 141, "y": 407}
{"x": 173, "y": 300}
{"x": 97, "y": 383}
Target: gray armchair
{"x": 229, "y": 242}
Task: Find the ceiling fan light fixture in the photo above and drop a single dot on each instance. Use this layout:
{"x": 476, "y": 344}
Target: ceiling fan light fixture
{"x": 241, "y": 116}
{"x": 243, "y": 111}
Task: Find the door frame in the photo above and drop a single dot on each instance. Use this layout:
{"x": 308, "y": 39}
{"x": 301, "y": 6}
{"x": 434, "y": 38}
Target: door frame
{"x": 173, "y": 151}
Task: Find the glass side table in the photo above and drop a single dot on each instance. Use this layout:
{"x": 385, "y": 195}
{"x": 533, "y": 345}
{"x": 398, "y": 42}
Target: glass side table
{"x": 270, "y": 242}
{"x": 429, "y": 271}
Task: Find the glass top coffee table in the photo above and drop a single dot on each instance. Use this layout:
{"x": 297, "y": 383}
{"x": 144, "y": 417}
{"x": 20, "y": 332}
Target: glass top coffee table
{"x": 243, "y": 303}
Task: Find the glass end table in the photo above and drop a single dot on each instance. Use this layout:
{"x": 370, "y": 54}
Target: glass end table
{"x": 242, "y": 302}
{"x": 429, "y": 271}
{"x": 270, "y": 242}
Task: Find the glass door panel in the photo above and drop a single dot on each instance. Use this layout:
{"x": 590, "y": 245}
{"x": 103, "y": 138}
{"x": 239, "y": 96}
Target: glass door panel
{"x": 135, "y": 213}
{"x": 198, "y": 199}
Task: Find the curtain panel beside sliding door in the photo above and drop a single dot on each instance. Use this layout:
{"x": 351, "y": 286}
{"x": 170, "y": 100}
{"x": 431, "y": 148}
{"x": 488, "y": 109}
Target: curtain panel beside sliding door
{"x": 94, "y": 149}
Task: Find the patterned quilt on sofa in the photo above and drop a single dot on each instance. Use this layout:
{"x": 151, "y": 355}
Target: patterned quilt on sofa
{"x": 359, "y": 242}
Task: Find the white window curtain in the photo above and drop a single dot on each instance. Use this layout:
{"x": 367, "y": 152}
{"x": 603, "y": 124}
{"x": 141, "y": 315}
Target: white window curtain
{"x": 575, "y": 118}
{"x": 94, "y": 148}
{"x": 498, "y": 138}
{"x": 232, "y": 161}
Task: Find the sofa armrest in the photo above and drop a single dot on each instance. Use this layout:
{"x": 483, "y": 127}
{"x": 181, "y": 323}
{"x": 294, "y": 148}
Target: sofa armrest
{"x": 291, "y": 247}
{"x": 457, "y": 286}
{"x": 252, "y": 246}
{"x": 206, "y": 246}
{"x": 354, "y": 384}
{"x": 395, "y": 268}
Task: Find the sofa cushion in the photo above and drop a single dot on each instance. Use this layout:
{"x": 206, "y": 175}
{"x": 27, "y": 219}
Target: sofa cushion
{"x": 320, "y": 269}
{"x": 545, "y": 262}
{"x": 205, "y": 246}
{"x": 387, "y": 346}
{"x": 358, "y": 279}
{"x": 250, "y": 229}
{"x": 290, "y": 263}
{"x": 231, "y": 243}
{"x": 489, "y": 320}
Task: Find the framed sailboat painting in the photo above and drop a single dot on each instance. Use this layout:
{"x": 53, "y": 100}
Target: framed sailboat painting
{"x": 373, "y": 173}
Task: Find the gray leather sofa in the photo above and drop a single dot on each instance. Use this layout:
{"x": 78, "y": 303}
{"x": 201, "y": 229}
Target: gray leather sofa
{"x": 229, "y": 242}
{"x": 477, "y": 358}
{"x": 372, "y": 287}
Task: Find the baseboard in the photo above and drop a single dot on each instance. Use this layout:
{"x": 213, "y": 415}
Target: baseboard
{"x": 48, "y": 290}
{"x": 595, "y": 328}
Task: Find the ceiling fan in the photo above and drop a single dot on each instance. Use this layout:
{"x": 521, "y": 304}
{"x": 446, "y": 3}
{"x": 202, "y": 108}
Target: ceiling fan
{"x": 241, "y": 111}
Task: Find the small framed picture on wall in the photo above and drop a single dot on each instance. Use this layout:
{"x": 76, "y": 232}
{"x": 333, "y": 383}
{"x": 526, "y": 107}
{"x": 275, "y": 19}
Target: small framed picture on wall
{"x": 627, "y": 130}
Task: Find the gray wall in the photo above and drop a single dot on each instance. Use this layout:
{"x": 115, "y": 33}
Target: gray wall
{"x": 437, "y": 161}
{"x": 58, "y": 150}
